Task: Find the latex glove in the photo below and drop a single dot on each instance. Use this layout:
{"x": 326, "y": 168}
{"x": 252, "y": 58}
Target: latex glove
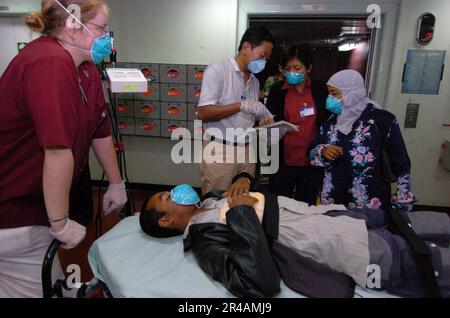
{"x": 115, "y": 198}
{"x": 257, "y": 109}
{"x": 71, "y": 235}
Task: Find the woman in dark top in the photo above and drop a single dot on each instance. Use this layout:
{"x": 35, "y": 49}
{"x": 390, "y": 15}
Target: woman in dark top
{"x": 300, "y": 101}
{"x": 350, "y": 146}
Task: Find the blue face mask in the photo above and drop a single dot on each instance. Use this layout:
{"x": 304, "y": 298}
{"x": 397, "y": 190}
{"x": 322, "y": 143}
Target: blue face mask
{"x": 257, "y": 66}
{"x": 334, "y": 105}
{"x": 102, "y": 45}
{"x": 185, "y": 195}
{"x": 294, "y": 78}
{"x": 101, "y": 48}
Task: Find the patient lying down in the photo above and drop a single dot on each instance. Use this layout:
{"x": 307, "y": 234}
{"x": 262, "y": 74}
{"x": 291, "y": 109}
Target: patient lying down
{"x": 247, "y": 240}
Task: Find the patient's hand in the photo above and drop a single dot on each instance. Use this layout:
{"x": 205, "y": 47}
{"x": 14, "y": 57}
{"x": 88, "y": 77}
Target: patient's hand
{"x": 258, "y": 206}
{"x": 242, "y": 200}
{"x": 241, "y": 186}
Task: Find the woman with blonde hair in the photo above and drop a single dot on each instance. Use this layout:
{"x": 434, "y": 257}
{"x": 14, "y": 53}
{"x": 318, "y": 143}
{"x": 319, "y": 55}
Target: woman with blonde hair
{"x": 52, "y": 110}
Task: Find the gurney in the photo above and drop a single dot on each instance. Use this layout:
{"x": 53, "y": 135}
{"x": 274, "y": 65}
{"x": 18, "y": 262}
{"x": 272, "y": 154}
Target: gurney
{"x": 130, "y": 264}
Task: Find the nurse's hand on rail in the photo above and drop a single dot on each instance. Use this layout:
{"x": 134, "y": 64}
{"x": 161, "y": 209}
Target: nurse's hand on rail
{"x": 333, "y": 152}
{"x": 71, "y": 234}
{"x": 115, "y": 198}
{"x": 241, "y": 186}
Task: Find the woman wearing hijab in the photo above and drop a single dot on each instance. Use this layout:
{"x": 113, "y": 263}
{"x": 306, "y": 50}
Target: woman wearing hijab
{"x": 351, "y": 146}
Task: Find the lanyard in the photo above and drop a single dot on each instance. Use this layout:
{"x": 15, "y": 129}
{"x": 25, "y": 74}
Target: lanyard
{"x": 83, "y": 95}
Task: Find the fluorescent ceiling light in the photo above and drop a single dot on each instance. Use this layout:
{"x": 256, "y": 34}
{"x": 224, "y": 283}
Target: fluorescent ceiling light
{"x": 348, "y": 47}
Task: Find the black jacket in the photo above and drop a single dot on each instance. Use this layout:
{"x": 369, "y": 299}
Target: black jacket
{"x": 238, "y": 254}
{"x": 276, "y": 104}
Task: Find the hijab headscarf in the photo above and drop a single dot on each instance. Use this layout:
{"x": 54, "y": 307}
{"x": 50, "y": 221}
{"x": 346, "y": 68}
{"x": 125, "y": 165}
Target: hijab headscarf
{"x": 355, "y": 99}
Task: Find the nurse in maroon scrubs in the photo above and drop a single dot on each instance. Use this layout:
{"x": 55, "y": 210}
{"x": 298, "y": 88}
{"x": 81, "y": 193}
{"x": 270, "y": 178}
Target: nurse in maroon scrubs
{"x": 52, "y": 110}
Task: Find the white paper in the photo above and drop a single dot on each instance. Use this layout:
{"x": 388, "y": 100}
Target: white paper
{"x": 282, "y": 125}
{"x": 283, "y": 128}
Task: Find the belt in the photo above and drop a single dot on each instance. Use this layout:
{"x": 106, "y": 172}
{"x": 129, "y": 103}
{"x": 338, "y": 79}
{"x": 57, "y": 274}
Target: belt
{"x": 226, "y": 142}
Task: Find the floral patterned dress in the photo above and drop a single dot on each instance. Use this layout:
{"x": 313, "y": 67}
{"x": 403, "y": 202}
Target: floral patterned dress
{"x": 355, "y": 179}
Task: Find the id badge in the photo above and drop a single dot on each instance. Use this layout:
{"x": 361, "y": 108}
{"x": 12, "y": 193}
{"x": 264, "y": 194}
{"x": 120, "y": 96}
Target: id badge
{"x": 307, "y": 111}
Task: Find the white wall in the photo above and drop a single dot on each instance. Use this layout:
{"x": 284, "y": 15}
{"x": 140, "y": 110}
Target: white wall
{"x": 199, "y": 22}
{"x": 176, "y": 31}
{"x": 431, "y": 183}
{"x": 20, "y": 6}
{"x": 201, "y": 31}
{"x": 170, "y": 31}
{"x": 12, "y": 31}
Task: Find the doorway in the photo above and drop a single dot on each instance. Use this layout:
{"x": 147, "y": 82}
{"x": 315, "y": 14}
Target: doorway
{"x": 336, "y": 43}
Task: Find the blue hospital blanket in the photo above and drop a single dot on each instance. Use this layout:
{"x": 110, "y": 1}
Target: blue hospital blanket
{"x": 134, "y": 265}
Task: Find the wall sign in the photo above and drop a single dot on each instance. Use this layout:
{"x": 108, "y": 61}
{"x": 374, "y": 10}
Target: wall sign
{"x": 423, "y": 71}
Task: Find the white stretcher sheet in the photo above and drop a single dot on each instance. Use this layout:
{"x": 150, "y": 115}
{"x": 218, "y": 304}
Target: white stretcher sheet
{"x": 134, "y": 265}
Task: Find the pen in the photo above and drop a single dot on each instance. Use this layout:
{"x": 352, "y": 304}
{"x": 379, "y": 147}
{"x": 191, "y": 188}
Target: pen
{"x": 83, "y": 95}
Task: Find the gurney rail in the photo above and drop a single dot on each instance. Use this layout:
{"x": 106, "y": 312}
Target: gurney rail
{"x": 51, "y": 290}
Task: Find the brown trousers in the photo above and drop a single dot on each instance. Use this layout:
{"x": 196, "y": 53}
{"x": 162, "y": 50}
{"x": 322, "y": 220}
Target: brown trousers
{"x": 221, "y": 163}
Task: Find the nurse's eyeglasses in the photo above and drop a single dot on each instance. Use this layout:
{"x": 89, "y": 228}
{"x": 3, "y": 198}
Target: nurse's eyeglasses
{"x": 103, "y": 29}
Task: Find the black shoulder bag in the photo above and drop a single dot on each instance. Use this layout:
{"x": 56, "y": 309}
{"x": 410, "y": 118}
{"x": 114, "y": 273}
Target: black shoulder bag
{"x": 386, "y": 171}
{"x": 422, "y": 253}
